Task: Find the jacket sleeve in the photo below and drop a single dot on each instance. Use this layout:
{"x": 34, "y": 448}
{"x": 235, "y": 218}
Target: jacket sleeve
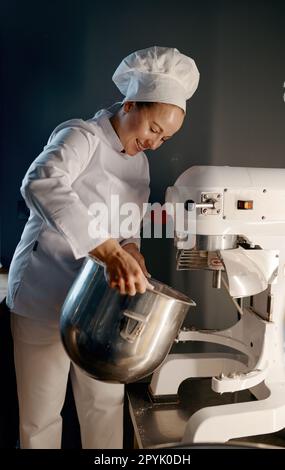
{"x": 47, "y": 188}
{"x": 135, "y": 240}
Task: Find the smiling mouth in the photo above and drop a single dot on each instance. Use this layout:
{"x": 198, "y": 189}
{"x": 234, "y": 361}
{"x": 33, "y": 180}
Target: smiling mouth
{"x": 139, "y": 146}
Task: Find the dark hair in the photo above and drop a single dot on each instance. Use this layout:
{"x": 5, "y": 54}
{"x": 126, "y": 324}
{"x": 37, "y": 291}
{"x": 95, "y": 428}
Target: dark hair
{"x": 144, "y": 104}
{"x": 149, "y": 104}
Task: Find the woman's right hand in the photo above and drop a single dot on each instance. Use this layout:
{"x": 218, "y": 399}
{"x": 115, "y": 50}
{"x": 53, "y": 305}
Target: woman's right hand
{"x": 123, "y": 270}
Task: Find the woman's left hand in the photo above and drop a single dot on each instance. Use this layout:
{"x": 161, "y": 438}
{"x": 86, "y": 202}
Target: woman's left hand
{"x": 133, "y": 250}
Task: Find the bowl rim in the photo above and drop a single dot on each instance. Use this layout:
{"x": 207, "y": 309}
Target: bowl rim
{"x": 183, "y": 298}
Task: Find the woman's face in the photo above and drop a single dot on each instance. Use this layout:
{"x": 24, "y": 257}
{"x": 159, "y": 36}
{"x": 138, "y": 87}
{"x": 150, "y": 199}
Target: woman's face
{"x": 146, "y": 127}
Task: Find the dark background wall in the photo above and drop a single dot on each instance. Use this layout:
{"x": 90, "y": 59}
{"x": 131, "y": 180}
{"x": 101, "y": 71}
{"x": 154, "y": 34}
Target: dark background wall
{"x": 57, "y": 61}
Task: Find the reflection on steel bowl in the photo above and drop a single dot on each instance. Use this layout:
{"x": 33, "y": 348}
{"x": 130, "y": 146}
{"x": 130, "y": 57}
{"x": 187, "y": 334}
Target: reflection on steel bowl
{"x": 119, "y": 338}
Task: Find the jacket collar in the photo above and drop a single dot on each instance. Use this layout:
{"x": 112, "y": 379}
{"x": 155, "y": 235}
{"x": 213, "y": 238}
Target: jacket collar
{"x": 103, "y": 120}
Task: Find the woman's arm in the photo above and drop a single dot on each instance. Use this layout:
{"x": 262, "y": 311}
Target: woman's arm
{"x": 123, "y": 269}
{"x": 47, "y": 187}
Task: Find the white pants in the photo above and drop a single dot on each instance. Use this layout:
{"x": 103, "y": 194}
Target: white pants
{"x": 42, "y": 368}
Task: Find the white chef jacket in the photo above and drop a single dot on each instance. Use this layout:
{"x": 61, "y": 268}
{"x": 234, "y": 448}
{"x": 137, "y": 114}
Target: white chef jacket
{"x": 82, "y": 163}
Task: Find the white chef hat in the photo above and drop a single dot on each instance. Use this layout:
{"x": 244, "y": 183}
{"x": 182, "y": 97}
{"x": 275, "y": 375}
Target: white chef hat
{"x": 158, "y": 75}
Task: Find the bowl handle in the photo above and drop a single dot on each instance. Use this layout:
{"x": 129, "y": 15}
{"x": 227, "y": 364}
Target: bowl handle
{"x": 134, "y": 325}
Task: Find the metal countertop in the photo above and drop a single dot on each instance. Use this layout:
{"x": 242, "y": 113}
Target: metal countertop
{"x": 162, "y": 425}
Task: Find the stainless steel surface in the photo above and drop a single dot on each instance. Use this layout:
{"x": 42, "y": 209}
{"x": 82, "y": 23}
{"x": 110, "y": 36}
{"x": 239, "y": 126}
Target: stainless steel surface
{"x": 119, "y": 338}
{"x": 217, "y": 279}
{"x": 262, "y": 304}
{"x": 215, "y": 199}
{"x": 191, "y": 259}
{"x": 203, "y": 255}
{"x": 211, "y": 204}
{"x": 216, "y": 242}
{"x": 205, "y": 205}
{"x": 162, "y": 425}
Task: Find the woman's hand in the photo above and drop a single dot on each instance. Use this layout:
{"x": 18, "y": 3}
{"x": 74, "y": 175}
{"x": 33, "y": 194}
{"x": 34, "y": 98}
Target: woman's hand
{"x": 123, "y": 271}
{"x": 133, "y": 250}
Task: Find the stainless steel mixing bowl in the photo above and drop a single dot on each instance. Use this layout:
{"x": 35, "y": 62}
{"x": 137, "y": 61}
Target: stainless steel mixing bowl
{"x": 119, "y": 338}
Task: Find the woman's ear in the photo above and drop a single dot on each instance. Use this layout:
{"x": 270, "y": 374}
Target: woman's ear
{"x": 128, "y": 106}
